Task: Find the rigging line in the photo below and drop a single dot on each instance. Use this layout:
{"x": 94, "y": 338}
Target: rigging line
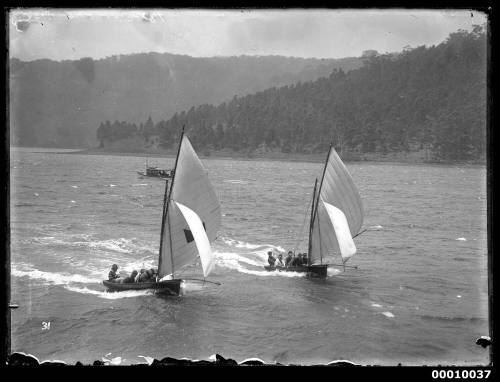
{"x": 311, "y": 222}
{"x": 204, "y": 280}
{"x": 320, "y": 242}
{"x": 345, "y": 266}
{"x": 366, "y": 229}
{"x": 301, "y": 234}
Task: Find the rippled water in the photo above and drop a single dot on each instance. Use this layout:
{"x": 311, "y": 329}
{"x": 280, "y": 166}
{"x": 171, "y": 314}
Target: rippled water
{"x": 419, "y": 295}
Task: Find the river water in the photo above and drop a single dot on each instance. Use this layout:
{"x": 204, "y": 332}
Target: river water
{"x": 419, "y": 295}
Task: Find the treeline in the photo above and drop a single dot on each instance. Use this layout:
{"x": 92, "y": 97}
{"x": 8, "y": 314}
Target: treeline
{"x": 61, "y": 103}
{"x": 426, "y": 98}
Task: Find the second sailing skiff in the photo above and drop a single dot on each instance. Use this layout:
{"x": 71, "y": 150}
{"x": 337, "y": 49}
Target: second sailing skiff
{"x": 336, "y": 218}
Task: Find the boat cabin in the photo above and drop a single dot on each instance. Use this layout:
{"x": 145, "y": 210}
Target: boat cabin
{"x": 154, "y": 171}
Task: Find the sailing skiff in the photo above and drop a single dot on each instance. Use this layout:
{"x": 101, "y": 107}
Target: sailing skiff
{"x": 190, "y": 221}
{"x": 336, "y": 218}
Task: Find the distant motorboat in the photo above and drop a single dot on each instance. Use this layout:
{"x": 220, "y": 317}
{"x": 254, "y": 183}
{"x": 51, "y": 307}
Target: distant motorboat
{"x": 155, "y": 172}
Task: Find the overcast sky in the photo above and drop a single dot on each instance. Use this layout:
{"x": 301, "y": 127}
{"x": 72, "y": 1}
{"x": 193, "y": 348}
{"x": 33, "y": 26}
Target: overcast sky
{"x": 72, "y": 34}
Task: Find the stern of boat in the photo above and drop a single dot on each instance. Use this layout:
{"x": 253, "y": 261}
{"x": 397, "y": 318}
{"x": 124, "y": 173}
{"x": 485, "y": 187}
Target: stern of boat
{"x": 317, "y": 270}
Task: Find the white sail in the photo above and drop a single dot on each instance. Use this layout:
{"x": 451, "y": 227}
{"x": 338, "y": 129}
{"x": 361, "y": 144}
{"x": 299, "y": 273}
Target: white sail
{"x": 192, "y": 189}
{"x": 339, "y": 213}
{"x": 200, "y": 238}
{"x": 347, "y": 247}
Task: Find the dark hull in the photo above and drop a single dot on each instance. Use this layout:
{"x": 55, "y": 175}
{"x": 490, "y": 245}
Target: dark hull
{"x": 154, "y": 176}
{"x": 170, "y": 286}
{"x": 312, "y": 270}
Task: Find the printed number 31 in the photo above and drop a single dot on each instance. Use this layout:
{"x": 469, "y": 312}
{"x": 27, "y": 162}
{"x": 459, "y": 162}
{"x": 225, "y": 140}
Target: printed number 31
{"x": 45, "y": 325}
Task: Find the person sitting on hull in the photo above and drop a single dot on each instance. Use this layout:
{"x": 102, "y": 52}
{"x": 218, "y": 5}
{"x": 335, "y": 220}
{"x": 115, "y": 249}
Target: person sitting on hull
{"x": 279, "y": 260}
{"x": 144, "y": 276}
{"x": 270, "y": 258}
{"x": 289, "y": 258}
{"x": 147, "y": 276}
{"x": 301, "y": 259}
{"x": 304, "y": 259}
{"x": 298, "y": 260}
{"x": 154, "y": 275}
{"x": 139, "y": 274}
{"x": 129, "y": 279}
{"x": 112, "y": 276}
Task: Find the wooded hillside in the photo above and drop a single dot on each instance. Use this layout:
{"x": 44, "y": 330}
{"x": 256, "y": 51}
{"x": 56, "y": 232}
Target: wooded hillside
{"x": 426, "y": 98}
{"x": 61, "y": 104}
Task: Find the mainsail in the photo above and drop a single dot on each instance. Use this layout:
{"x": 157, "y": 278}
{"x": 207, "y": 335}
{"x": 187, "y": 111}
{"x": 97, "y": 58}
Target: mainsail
{"x": 191, "y": 215}
{"x": 337, "y": 213}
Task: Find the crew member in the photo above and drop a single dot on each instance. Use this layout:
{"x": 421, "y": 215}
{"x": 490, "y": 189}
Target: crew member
{"x": 288, "y": 260}
{"x": 129, "y": 279}
{"x": 112, "y": 276}
{"x": 270, "y": 258}
{"x": 279, "y": 260}
{"x": 304, "y": 258}
{"x": 138, "y": 276}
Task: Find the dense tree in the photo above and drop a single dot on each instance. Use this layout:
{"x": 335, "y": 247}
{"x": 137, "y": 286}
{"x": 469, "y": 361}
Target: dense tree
{"x": 426, "y": 98}
{"x": 63, "y": 102}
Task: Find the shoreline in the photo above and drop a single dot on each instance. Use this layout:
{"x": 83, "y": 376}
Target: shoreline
{"x": 283, "y": 157}
{"x": 394, "y": 158}
{"x": 213, "y": 155}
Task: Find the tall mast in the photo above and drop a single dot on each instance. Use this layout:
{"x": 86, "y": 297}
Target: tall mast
{"x": 163, "y": 215}
{"x": 311, "y": 224}
{"x": 317, "y": 200}
{"x": 166, "y": 204}
{"x": 321, "y": 184}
